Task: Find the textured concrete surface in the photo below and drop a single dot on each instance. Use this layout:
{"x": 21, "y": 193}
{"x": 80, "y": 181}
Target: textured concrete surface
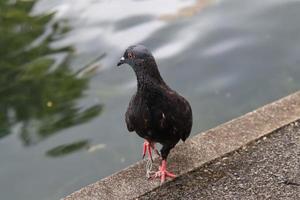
{"x": 203, "y": 148}
{"x": 265, "y": 169}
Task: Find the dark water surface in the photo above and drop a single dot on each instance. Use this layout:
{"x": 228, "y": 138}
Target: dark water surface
{"x": 62, "y": 99}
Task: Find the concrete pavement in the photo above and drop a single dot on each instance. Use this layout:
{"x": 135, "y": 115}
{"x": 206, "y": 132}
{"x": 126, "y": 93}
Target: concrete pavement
{"x": 265, "y": 169}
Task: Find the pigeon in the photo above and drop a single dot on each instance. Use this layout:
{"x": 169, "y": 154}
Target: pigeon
{"x": 155, "y": 112}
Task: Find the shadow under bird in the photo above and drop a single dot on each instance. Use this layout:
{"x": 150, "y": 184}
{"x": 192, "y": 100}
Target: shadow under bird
{"x": 156, "y": 112}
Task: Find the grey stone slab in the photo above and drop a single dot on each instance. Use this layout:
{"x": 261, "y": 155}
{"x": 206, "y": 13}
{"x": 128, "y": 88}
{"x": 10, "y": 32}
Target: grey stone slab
{"x": 131, "y": 183}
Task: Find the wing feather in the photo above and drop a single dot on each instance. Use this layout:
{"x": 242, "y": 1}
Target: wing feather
{"x": 129, "y": 115}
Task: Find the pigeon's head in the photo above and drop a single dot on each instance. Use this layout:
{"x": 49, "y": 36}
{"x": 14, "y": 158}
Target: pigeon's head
{"x": 136, "y": 56}
{"x": 143, "y": 63}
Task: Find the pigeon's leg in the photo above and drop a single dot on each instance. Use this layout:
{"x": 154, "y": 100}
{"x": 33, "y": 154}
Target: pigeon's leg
{"x": 162, "y": 173}
{"x": 154, "y": 148}
{"x": 147, "y": 147}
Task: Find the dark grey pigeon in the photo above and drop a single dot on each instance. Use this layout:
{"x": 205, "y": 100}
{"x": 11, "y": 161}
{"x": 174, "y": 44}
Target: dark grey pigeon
{"x": 156, "y": 112}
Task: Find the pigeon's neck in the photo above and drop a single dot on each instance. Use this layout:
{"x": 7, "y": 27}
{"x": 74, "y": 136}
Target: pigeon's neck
{"x": 148, "y": 77}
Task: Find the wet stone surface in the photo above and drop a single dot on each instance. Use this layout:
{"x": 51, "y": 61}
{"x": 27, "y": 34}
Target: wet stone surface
{"x": 265, "y": 169}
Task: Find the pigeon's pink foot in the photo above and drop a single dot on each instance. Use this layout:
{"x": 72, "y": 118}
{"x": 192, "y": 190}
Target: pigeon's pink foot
{"x": 147, "y": 147}
{"x": 162, "y": 173}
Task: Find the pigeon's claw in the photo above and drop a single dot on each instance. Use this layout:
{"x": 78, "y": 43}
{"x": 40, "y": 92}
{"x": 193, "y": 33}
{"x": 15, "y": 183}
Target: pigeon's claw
{"x": 162, "y": 173}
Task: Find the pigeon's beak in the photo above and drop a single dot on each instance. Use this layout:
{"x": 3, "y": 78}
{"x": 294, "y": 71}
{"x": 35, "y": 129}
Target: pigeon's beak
{"x": 121, "y": 62}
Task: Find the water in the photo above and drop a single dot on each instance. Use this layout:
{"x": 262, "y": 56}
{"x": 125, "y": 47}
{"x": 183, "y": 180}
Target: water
{"x": 63, "y": 100}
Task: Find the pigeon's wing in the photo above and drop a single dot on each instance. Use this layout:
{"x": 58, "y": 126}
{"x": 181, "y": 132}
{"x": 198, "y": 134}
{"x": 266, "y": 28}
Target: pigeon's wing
{"x": 175, "y": 119}
{"x": 187, "y": 120}
{"x": 129, "y": 118}
{"x": 137, "y": 116}
{"x": 160, "y": 119}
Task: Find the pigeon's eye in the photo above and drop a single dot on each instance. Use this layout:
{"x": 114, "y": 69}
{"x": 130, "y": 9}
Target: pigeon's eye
{"x": 130, "y": 55}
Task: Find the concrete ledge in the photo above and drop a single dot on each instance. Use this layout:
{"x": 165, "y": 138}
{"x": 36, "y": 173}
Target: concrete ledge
{"x": 131, "y": 183}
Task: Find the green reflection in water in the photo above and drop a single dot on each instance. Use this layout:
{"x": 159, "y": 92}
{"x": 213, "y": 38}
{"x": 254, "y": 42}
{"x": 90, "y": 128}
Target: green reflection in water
{"x": 67, "y": 148}
{"x": 37, "y": 94}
